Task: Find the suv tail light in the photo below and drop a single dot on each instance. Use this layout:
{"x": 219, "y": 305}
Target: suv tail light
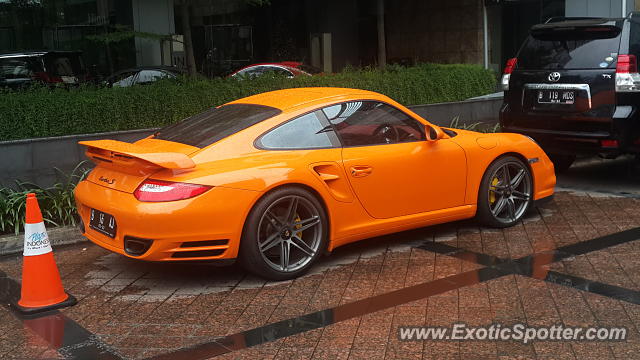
{"x": 627, "y": 77}
{"x": 508, "y": 69}
{"x": 158, "y": 190}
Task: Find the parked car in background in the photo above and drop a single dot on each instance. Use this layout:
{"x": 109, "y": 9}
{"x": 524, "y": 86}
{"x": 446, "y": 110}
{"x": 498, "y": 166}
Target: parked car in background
{"x": 575, "y": 88}
{"x": 22, "y": 69}
{"x": 142, "y": 75}
{"x": 289, "y": 69}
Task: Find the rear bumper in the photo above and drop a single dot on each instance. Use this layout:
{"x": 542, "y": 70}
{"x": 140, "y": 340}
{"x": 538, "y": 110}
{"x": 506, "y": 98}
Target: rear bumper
{"x": 207, "y": 227}
{"x": 580, "y": 137}
{"x": 567, "y": 142}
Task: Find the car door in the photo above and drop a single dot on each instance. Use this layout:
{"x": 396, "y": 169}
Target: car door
{"x": 391, "y": 167}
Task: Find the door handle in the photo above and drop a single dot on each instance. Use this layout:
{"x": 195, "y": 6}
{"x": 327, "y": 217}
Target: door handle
{"x": 361, "y": 171}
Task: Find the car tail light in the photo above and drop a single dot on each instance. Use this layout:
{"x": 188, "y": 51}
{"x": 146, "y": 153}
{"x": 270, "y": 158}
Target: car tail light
{"x": 508, "y": 69}
{"x": 627, "y": 77}
{"x": 158, "y": 190}
{"x": 609, "y": 143}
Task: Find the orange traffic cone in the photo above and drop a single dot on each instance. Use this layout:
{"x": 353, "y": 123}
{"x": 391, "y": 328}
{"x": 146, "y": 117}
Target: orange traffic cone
{"x": 41, "y": 285}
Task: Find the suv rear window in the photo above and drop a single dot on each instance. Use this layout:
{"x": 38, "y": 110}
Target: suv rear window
{"x": 216, "y": 124}
{"x": 577, "y": 48}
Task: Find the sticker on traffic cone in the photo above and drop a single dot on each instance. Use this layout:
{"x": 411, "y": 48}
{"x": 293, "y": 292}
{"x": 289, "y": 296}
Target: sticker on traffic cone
{"x": 41, "y": 285}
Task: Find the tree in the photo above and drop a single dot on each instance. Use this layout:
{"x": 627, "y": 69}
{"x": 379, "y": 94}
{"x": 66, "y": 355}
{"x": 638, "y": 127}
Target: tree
{"x": 382, "y": 46}
{"x": 185, "y": 12}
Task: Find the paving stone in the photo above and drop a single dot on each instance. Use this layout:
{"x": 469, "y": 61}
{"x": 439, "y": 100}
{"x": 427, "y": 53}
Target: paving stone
{"x": 143, "y": 310}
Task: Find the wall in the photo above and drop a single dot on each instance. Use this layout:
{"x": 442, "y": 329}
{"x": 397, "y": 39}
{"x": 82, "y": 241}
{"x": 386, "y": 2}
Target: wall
{"x": 152, "y": 16}
{"x": 340, "y": 19}
{"x": 33, "y": 160}
{"x": 435, "y": 31}
{"x": 604, "y": 8}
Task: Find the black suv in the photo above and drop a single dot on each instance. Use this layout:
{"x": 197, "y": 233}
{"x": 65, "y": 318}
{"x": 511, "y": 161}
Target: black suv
{"x": 574, "y": 87}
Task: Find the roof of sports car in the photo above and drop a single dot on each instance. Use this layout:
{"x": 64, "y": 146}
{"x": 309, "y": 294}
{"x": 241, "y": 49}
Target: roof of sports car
{"x": 289, "y": 98}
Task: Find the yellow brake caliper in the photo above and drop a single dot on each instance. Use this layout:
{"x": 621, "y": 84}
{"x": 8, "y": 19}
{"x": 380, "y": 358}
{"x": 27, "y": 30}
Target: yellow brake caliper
{"x": 298, "y": 234}
{"x": 492, "y": 195}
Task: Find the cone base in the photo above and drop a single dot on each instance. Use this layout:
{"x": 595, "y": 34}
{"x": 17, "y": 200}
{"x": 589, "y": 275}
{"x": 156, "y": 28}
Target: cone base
{"x": 69, "y": 301}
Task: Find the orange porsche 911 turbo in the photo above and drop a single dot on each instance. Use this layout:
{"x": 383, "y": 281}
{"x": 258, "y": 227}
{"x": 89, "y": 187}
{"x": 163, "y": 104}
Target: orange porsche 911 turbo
{"x": 277, "y": 179}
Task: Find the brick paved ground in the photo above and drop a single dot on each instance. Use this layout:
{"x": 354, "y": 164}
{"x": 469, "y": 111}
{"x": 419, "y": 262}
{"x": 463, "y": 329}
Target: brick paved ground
{"x": 141, "y": 309}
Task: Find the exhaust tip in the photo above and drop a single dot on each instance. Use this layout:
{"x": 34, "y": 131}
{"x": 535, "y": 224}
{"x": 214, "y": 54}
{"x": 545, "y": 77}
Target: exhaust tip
{"x": 136, "y": 246}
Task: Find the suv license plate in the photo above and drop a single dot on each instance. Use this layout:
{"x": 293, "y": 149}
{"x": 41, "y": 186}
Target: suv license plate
{"x": 103, "y": 223}
{"x": 565, "y": 97}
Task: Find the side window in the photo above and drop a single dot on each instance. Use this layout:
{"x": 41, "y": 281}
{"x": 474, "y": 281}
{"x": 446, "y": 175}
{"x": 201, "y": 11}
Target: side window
{"x": 305, "y": 132}
{"x": 147, "y": 76}
{"x": 278, "y": 70}
{"x": 252, "y": 72}
{"x": 124, "y": 79}
{"x": 361, "y": 123}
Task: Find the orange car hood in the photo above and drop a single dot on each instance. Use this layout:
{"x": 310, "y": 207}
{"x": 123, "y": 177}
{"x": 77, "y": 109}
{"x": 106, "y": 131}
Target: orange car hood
{"x": 165, "y": 154}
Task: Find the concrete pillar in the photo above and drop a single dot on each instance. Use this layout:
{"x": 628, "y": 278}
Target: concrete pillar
{"x": 327, "y": 54}
{"x": 152, "y": 16}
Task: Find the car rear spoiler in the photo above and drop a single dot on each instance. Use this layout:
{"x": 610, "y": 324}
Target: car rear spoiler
{"x": 112, "y": 151}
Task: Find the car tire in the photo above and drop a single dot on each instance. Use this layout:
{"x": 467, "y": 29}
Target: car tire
{"x": 288, "y": 223}
{"x": 562, "y": 163}
{"x": 501, "y": 205}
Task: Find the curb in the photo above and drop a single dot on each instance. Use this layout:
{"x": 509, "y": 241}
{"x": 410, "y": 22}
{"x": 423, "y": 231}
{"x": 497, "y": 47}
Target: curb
{"x": 13, "y": 244}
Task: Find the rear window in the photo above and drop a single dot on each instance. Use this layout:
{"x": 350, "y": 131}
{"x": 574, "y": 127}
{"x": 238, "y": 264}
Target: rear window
{"x": 634, "y": 39}
{"x": 216, "y": 124}
{"x": 64, "y": 64}
{"x": 309, "y": 69}
{"x": 19, "y": 67}
{"x": 581, "y": 48}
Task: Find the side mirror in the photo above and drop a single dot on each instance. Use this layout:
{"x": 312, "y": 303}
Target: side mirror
{"x": 433, "y": 133}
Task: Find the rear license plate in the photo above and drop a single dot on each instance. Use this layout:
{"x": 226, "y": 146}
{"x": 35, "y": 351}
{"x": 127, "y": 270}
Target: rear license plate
{"x": 103, "y": 223}
{"x": 565, "y": 97}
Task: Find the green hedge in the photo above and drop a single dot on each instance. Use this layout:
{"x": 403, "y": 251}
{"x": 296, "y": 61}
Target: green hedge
{"x": 42, "y": 112}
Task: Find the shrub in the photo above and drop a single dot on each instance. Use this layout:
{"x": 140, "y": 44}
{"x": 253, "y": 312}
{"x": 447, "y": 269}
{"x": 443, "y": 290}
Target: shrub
{"x": 478, "y": 126}
{"x": 41, "y": 112}
{"x": 57, "y": 203}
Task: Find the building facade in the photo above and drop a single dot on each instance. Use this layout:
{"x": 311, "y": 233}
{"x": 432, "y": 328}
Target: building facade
{"x": 86, "y": 25}
{"x": 330, "y": 34}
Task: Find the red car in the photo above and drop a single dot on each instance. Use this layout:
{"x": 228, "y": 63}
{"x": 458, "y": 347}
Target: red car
{"x": 287, "y": 68}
